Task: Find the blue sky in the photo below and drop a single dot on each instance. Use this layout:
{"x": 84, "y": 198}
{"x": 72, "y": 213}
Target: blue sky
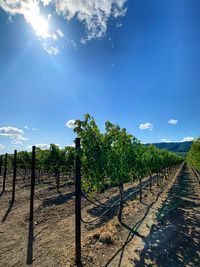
{"x": 135, "y": 63}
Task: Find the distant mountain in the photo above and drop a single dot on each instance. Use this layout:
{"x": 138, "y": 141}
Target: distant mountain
{"x": 180, "y": 148}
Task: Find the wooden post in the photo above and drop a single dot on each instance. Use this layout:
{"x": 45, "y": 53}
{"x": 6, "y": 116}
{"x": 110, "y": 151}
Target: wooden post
{"x": 5, "y": 172}
{"x": 121, "y": 191}
{"x": 29, "y": 259}
{"x": 78, "y": 205}
{"x": 14, "y": 176}
{"x": 32, "y": 184}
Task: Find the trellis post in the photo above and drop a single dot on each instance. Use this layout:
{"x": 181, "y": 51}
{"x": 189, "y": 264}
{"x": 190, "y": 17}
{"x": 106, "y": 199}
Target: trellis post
{"x": 78, "y": 204}
{"x": 5, "y": 172}
{"x": 32, "y": 184}
{"x": 14, "y": 175}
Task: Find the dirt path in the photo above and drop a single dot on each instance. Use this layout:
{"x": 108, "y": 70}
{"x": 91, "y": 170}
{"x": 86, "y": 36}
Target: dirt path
{"x": 53, "y": 229}
{"x": 170, "y": 235}
{"x": 104, "y": 243}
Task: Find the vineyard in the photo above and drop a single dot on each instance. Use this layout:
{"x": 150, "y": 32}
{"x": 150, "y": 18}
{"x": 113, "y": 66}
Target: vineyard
{"x": 61, "y": 207}
{"x": 193, "y": 157}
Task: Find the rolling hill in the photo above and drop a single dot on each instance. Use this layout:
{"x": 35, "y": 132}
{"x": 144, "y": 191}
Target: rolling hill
{"x": 181, "y": 148}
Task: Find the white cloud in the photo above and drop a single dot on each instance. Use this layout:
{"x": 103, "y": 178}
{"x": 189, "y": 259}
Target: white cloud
{"x": 119, "y": 24}
{"x": 16, "y": 142}
{"x": 173, "y": 121}
{"x": 43, "y": 146}
{"x": 51, "y": 50}
{"x": 94, "y": 14}
{"x": 188, "y": 138}
{"x": 49, "y": 16}
{"x": 2, "y": 146}
{"x": 58, "y": 145}
{"x": 71, "y": 145}
{"x": 33, "y": 129}
{"x": 16, "y": 134}
{"x": 46, "y": 2}
{"x": 70, "y": 124}
{"x": 185, "y": 139}
{"x": 11, "y": 131}
{"x": 165, "y": 140}
{"x": 146, "y": 126}
{"x": 72, "y": 42}
{"x": 21, "y": 138}
{"x": 30, "y": 10}
{"x": 60, "y": 33}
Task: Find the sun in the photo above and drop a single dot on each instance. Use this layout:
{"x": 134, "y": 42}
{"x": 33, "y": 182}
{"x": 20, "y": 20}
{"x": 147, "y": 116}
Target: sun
{"x": 40, "y": 26}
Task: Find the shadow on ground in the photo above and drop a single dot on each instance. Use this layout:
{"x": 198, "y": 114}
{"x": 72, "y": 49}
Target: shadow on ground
{"x": 7, "y": 212}
{"x": 29, "y": 256}
{"x": 175, "y": 241}
{"x": 132, "y": 232}
{"x": 129, "y": 194}
{"x": 57, "y": 200}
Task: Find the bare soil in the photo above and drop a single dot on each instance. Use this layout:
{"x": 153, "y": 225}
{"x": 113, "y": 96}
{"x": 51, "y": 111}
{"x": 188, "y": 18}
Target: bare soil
{"x": 170, "y": 234}
{"x": 142, "y": 240}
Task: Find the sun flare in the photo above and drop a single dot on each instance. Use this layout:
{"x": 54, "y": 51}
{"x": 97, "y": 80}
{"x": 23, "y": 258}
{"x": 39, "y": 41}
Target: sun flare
{"x": 39, "y": 25}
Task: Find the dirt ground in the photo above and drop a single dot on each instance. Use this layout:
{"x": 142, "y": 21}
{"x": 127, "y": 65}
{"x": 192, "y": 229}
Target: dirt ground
{"x": 170, "y": 234}
{"x": 169, "y": 213}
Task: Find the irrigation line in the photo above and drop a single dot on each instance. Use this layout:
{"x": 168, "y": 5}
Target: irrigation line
{"x": 96, "y": 219}
{"x": 136, "y": 226}
{"x": 138, "y": 189}
{"x": 101, "y": 215}
{"x": 114, "y": 204}
{"x": 38, "y": 198}
{"x": 97, "y": 205}
{"x": 105, "y": 206}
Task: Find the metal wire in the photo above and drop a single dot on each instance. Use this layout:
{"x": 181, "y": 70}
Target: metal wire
{"x": 125, "y": 198}
{"x": 38, "y": 198}
{"x": 92, "y": 202}
{"x": 96, "y": 219}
